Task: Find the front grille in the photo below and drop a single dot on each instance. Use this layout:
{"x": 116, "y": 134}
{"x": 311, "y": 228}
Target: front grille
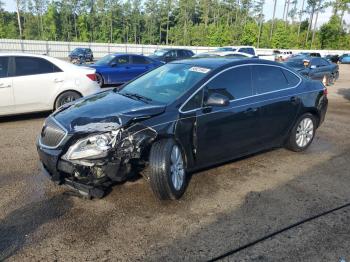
{"x": 52, "y": 133}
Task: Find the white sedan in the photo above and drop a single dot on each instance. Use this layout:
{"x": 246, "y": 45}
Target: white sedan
{"x": 33, "y": 83}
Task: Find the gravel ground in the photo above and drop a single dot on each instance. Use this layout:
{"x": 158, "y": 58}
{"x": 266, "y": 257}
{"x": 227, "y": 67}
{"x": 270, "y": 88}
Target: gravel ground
{"x": 225, "y": 207}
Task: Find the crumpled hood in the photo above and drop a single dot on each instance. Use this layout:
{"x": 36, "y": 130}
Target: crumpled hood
{"x": 104, "y": 111}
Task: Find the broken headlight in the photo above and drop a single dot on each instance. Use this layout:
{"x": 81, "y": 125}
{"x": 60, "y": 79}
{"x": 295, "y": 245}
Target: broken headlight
{"x": 91, "y": 147}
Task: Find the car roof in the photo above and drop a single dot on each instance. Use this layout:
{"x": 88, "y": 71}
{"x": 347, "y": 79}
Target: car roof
{"x": 22, "y": 54}
{"x": 215, "y": 63}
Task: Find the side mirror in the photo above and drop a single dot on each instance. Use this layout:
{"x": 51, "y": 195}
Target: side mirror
{"x": 114, "y": 64}
{"x": 216, "y": 99}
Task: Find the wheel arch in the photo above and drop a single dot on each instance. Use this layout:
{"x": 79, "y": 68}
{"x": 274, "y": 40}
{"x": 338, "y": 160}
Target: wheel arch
{"x": 67, "y": 90}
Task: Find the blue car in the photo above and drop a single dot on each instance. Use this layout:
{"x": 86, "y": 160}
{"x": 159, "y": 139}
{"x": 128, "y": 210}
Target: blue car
{"x": 117, "y": 69}
{"x": 345, "y": 59}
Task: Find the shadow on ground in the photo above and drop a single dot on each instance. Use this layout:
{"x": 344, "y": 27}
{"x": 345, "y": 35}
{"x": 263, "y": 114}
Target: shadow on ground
{"x": 30, "y": 116}
{"x": 17, "y": 225}
{"x": 261, "y": 213}
{"x": 345, "y": 92}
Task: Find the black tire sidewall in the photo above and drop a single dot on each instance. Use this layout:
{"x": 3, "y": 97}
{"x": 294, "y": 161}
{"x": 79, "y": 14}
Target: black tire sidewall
{"x": 177, "y": 193}
{"x": 161, "y": 175}
{"x": 98, "y": 75}
{"x": 292, "y": 138}
{"x": 59, "y": 99}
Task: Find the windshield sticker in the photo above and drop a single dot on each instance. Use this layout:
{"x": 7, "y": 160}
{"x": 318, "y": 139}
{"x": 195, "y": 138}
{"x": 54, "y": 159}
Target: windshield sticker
{"x": 199, "y": 69}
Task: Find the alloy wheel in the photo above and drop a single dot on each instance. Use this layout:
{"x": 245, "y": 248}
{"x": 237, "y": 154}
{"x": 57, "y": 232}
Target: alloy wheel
{"x": 305, "y": 132}
{"x": 177, "y": 168}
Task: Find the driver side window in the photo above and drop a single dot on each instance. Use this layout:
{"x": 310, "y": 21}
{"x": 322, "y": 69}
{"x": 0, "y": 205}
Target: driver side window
{"x": 195, "y": 102}
{"x": 122, "y": 60}
{"x": 234, "y": 83}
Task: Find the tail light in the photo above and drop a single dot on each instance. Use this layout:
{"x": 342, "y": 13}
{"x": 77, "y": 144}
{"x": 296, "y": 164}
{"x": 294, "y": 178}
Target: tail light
{"x": 92, "y": 76}
{"x": 325, "y": 91}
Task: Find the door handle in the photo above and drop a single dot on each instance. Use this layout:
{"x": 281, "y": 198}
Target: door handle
{"x": 294, "y": 99}
{"x": 56, "y": 80}
{"x": 251, "y": 110}
{"x": 2, "y": 85}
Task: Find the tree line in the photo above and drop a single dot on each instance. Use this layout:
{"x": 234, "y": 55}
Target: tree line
{"x": 179, "y": 22}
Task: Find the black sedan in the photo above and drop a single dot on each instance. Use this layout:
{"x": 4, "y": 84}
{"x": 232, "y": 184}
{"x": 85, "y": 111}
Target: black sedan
{"x": 316, "y": 68}
{"x": 167, "y": 55}
{"x": 178, "y": 118}
{"x": 84, "y": 54}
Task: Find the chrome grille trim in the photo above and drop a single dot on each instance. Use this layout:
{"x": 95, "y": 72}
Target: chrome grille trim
{"x": 53, "y": 124}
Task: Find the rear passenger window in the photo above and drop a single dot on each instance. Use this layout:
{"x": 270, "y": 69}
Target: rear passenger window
{"x": 34, "y": 66}
{"x": 292, "y": 79}
{"x": 234, "y": 83}
{"x": 139, "y": 60}
{"x": 268, "y": 79}
{"x": 3, "y": 67}
{"x": 195, "y": 102}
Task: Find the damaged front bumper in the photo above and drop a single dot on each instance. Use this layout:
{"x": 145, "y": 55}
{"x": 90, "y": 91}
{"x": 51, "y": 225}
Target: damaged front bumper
{"x": 93, "y": 177}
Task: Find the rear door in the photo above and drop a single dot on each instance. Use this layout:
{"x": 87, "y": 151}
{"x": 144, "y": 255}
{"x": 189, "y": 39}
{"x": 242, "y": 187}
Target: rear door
{"x": 233, "y": 130}
{"x": 35, "y": 82}
{"x": 139, "y": 65}
{"x": 276, "y": 92}
{"x": 7, "y": 101}
{"x": 318, "y": 69}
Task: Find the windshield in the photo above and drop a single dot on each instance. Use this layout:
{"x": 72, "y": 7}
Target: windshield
{"x": 166, "y": 83}
{"x": 77, "y": 51}
{"x": 105, "y": 60}
{"x": 160, "y": 52}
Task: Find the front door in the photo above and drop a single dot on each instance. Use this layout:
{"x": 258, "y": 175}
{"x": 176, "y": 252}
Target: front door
{"x": 225, "y": 132}
{"x": 120, "y": 70}
{"x": 7, "y": 102}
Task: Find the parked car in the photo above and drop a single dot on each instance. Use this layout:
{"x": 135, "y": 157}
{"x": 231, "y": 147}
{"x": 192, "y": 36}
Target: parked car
{"x": 32, "y": 83}
{"x": 79, "y": 54}
{"x": 178, "y": 118}
{"x": 282, "y": 55}
{"x": 117, "y": 69}
{"x": 167, "y": 55}
{"x": 316, "y": 68}
{"x": 226, "y": 54}
{"x": 345, "y": 59}
{"x": 312, "y": 54}
{"x": 243, "y": 49}
{"x": 332, "y": 58}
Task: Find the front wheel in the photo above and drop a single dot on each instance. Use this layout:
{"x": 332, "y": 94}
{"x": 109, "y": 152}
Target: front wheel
{"x": 302, "y": 134}
{"x": 66, "y": 97}
{"x": 167, "y": 174}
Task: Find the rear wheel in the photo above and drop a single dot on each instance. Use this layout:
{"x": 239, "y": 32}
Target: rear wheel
{"x": 66, "y": 97}
{"x": 167, "y": 175}
{"x": 99, "y": 79}
{"x": 302, "y": 134}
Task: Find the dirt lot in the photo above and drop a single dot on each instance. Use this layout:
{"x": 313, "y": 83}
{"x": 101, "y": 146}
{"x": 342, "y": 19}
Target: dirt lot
{"x": 224, "y": 207}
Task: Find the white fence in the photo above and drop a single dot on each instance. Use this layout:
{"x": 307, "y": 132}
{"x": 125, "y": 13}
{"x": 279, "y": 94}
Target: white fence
{"x": 62, "y": 49}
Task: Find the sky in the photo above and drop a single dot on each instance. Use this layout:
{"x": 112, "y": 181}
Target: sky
{"x": 268, "y": 10}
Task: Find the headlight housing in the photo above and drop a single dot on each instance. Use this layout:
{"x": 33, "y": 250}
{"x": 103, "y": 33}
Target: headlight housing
{"x": 91, "y": 147}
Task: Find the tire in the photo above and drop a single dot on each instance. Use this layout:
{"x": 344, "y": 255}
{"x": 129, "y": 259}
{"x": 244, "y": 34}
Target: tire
{"x": 302, "y": 133}
{"x": 66, "y": 97}
{"x": 99, "y": 80}
{"x": 162, "y": 162}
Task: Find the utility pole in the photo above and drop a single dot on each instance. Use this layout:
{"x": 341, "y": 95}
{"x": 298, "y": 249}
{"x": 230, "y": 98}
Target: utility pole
{"x": 19, "y": 19}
